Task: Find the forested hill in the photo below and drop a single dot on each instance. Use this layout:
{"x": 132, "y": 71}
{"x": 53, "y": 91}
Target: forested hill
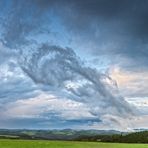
{"x": 136, "y": 137}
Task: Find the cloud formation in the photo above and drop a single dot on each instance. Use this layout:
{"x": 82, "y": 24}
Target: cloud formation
{"x": 34, "y": 37}
{"x": 61, "y": 68}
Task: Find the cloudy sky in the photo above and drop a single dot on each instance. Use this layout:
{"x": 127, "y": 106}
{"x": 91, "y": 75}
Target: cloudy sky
{"x": 80, "y": 64}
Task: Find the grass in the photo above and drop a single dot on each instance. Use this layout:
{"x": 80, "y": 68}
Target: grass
{"x": 64, "y": 144}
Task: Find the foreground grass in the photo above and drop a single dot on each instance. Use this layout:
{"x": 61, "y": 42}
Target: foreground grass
{"x": 64, "y": 144}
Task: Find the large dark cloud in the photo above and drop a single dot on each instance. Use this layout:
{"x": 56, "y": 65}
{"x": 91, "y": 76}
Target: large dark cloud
{"x": 124, "y": 30}
{"x": 112, "y": 27}
{"x": 127, "y": 15}
{"x": 104, "y": 21}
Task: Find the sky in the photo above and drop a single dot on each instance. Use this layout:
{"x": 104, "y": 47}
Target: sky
{"x": 79, "y": 64}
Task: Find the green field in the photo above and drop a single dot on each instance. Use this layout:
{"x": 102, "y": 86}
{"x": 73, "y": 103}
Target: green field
{"x": 64, "y": 144}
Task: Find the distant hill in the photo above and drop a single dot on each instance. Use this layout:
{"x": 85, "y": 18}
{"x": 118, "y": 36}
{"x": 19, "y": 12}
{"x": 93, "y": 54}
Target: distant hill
{"x": 65, "y": 134}
{"x": 78, "y": 135}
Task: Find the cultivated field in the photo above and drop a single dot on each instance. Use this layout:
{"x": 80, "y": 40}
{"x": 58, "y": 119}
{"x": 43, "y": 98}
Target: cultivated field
{"x": 64, "y": 144}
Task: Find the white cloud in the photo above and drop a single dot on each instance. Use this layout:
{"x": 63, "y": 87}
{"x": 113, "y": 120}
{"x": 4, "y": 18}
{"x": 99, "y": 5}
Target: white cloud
{"x": 46, "y": 104}
{"x": 130, "y": 83}
{"x": 118, "y": 123}
{"x": 141, "y": 103}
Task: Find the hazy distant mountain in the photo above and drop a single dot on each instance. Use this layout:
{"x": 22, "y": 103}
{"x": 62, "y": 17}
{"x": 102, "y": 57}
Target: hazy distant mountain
{"x": 65, "y": 134}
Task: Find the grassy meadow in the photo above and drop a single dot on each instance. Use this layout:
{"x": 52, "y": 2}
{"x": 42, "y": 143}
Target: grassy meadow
{"x": 64, "y": 144}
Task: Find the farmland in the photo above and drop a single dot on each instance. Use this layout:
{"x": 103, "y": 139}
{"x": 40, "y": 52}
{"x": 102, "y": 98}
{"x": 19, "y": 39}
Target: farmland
{"x": 63, "y": 144}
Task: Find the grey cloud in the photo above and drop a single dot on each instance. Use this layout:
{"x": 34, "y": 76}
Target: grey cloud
{"x": 13, "y": 83}
{"x": 14, "y": 87}
{"x": 42, "y": 123}
{"x": 21, "y": 19}
{"x": 62, "y": 69}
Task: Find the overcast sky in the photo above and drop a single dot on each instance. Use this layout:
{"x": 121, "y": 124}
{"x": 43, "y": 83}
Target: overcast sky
{"x": 80, "y": 64}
